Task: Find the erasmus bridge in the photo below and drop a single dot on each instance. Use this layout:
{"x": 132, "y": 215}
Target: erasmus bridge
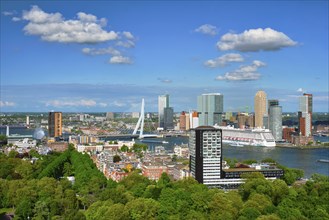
{"x": 124, "y": 133}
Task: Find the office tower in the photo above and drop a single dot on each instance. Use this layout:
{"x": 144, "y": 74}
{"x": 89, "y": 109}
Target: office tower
{"x": 55, "y": 124}
{"x": 305, "y": 114}
{"x": 182, "y": 121}
{"x": 275, "y": 119}
{"x": 260, "y": 108}
{"x": 205, "y": 146}
{"x": 135, "y": 115}
{"x": 168, "y": 117}
{"x": 163, "y": 102}
{"x": 194, "y": 119}
{"x": 245, "y": 121}
{"x": 109, "y": 115}
{"x": 185, "y": 121}
{"x": 27, "y": 120}
{"x": 210, "y": 109}
{"x": 266, "y": 121}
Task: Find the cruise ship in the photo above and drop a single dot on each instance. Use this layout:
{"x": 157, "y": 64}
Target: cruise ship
{"x": 250, "y": 137}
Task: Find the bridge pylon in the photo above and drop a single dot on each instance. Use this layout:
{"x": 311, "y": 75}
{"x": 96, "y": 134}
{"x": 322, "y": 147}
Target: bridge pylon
{"x": 140, "y": 123}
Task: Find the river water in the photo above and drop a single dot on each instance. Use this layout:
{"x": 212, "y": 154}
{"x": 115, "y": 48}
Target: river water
{"x": 305, "y": 159}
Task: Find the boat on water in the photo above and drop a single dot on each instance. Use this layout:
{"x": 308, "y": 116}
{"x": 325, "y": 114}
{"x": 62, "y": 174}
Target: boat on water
{"x": 250, "y": 137}
{"x": 154, "y": 141}
{"x": 323, "y": 160}
{"x": 236, "y": 144}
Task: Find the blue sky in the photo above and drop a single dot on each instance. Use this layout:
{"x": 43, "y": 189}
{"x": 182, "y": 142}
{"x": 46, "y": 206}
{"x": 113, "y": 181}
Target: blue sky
{"x": 108, "y": 55}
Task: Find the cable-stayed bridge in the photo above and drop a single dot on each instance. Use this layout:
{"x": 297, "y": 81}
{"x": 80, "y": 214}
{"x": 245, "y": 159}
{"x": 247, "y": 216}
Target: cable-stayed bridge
{"x": 138, "y": 132}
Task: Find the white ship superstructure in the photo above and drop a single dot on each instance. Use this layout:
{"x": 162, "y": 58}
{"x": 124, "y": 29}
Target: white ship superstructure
{"x": 252, "y": 137}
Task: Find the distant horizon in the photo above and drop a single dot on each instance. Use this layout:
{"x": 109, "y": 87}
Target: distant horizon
{"x": 79, "y": 112}
{"x": 85, "y": 56}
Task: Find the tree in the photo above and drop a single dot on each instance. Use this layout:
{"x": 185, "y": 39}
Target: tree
{"x": 12, "y": 154}
{"x": 280, "y": 191}
{"x": 124, "y": 148}
{"x": 164, "y": 180}
{"x": 142, "y": 208}
{"x": 255, "y": 183}
{"x": 41, "y": 210}
{"x": 25, "y": 169}
{"x": 259, "y": 202}
{"x": 116, "y": 158}
{"x": 24, "y": 209}
{"x": 250, "y": 213}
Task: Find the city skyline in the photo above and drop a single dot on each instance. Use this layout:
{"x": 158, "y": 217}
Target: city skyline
{"x": 103, "y": 57}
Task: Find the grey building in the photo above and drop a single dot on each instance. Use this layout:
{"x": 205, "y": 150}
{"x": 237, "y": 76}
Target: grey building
{"x": 210, "y": 109}
{"x": 163, "y": 102}
{"x": 205, "y": 146}
{"x": 275, "y": 119}
{"x": 168, "y": 117}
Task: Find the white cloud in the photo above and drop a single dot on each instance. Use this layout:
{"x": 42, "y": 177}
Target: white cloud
{"x": 120, "y": 60}
{"x": 6, "y": 104}
{"x": 207, "y": 29}
{"x": 64, "y": 103}
{"x": 127, "y": 40}
{"x": 255, "y": 40}
{"x": 118, "y": 104}
{"x": 128, "y": 35}
{"x": 165, "y": 80}
{"x": 102, "y": 104}
{"x": 54, "y": 28}
{"x": 300, "y": 90}
{"x": 16, "y": 19}
{"x": 87, "y": 17}
{"x": 101, "y": 51}
{"x": 244, "y": 73}
{"x": 9, "y": 13}
{"x": 224, "y": 60}
{"x": 127, "y": 44}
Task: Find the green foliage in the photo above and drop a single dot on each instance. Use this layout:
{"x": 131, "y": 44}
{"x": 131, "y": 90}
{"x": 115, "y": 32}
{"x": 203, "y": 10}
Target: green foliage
{"x": 137, "y": 148}
{"x": 137, "y": 197}
{"x": 268, "y": 160}
{"x": 251, "y": 161}
{"x": 55, "y": 168}
{"x": 116, "y": 158}
{"x": 12, "y": 154}
{"x": 124, "y": 148}
{"x": 291, "y": 175}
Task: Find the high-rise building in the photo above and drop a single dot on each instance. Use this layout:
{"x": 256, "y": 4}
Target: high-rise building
{"x": 55, "y": 124}
{"x": 194, "y": 119}
{"x": 305, "y": 115}
{"x": 210, "y": 109}
{"x": 27, "y": 120}
{"x": 109, "y": 115}
{"x": 205, "y": 146}
{"x": 260, "y": 108}
{"x": 275, "y": 119}
{"x": 168, "y": 116}
{"x": 163, "y": 102}
{"x": 245, "y": 120}
{"x": 182, "y": 121}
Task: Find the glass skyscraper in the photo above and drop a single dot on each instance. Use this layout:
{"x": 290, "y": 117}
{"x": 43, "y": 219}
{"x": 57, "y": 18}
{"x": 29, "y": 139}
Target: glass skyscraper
{"x": 210, "y": 109}
{"x": 275, "y": 119}
{"x": 166, "y": 113}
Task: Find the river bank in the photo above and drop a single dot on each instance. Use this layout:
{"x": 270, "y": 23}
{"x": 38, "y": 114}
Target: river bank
{"x": 318, "y": 146}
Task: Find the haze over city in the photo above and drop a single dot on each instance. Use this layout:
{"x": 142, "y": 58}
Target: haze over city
{"x": 106, "y": 56}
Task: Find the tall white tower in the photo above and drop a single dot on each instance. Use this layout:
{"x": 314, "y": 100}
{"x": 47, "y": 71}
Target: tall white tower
{"x": 7, "y": 131}
{"x": 140, "y": 123}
